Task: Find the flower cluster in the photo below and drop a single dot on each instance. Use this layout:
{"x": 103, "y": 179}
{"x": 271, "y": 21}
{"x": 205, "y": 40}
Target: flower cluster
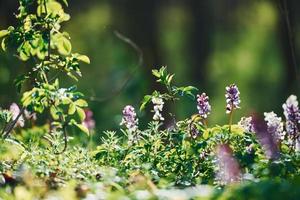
{"x": 228, "y": 167}
{"x": 292, "y": 114}
{"x": 247, "y": 124}
{"x": 157, "y": 109}
{"x": 232, "y": 98}
{"x": 203, "y": 105}
{"x": 274, "y": 126}
{"x": 129, "y": 118}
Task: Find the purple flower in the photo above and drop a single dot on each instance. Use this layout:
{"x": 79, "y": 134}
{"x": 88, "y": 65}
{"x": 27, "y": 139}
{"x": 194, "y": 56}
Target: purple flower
{"x": 274, "y": 126}
{"x": 89, "y": 122}
{"x": 266, "y": 139}
{"x": 129, "y": 118}
{"x": 232, "y": 98}
{"x": 15, "y": 110}
{"x": 203, "y": 105}
{"x": 292, "y": 115}
{"x": 228, "y": 167}
{"x": 247, "y": 124}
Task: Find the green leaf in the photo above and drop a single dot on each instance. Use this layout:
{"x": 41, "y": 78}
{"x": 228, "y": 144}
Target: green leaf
{"x": 81, "y": 103}
{"x": 72, "y": 109}
{"x": 80, "y": 113}
{"x": 82, "y": 128}
{"x": 84, "y": 58}
{"x": 64, "y": 46}
{"x": 3, "y": 33}
{"x": 54, "y": 113}
{"x": 66, "y": 100}
{"x": 3, "y": 44}
{"x": 156, "y": 73}
{"x": 190, "y": 88}
{"x": 146, "y": 100}
{"x": 206, "y": 134}
{"x": 65, "y": 2}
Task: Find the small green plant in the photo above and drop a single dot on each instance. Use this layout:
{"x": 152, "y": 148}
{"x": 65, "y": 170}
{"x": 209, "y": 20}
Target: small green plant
{"x": 38, "y": 40}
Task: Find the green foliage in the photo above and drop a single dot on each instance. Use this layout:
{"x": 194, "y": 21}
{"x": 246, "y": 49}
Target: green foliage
{"x": 172, "y": 91}
{"x": 39, "y": 41}
{"x": 156, "y": 162}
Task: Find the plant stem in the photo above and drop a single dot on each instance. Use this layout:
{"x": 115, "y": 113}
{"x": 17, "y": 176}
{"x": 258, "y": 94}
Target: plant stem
{"x": 13, "y": 123}
{"x": 230, "y": 120}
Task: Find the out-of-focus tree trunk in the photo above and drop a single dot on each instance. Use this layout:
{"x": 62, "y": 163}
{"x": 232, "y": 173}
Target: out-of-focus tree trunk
{"x": 289, "y": 13}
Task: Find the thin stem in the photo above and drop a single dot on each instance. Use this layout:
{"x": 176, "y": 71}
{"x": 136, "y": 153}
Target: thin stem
{"x": 230, "y": 119}
{"x": 13, "y": 123}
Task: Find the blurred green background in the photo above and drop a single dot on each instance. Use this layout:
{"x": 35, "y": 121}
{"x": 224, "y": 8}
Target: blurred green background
{"x": 208, "y": 44}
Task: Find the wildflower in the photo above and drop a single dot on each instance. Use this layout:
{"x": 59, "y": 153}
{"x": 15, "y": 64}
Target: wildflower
{"x": 15, "y": 110}
{"x": 30, "y": 115}
{"x": 232, "y": 98}
{"x": 89, "y": 122}
{"x": 228, "y": 167}
{"x": 266, "y": 139}
{"x": 129, "y": 118}
{"x": 246, "y": 124}
{"x": 203, "y": 105}
{"x": 194, "y": 131}
{"x": 157, "y": 109}
{"x": 274, "y": 126}
{"x": 292, "y": 114}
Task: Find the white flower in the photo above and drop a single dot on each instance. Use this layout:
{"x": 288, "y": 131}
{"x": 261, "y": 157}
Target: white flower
{"x": 246, "y": 124}
{"x": 275, "y": 125}
{"x": 157, "y": 108}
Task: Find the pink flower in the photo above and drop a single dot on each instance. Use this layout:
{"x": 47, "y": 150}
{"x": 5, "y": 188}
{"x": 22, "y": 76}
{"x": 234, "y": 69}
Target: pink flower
{"x": 229, "y": 169}
{"x": 15, "y": 110}
{"x": 89, "y": 122}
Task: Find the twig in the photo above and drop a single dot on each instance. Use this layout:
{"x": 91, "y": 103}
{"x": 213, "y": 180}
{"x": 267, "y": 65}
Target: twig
{"x": 282, "y": 4}
{"x": 129, "y": 77}
{"x": 11, "y": 126}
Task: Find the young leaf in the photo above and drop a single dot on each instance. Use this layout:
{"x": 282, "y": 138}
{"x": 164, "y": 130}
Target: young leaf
{"x": 84, "y": 59}
{"x": 64, "y": 46}
{"x": 3, "y": 33}
{"x": 80, "y": 113}
{"x": 65, "y": 2}
{"x": 146, "y": 100}
{"x": 72, "y": 109}
{"x": 81, "y": 103}
{"x": 82, "y": 128}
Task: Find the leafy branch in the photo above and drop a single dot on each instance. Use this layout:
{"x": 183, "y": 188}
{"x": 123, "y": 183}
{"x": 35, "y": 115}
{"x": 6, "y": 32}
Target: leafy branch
{"x": 38, "y": 40}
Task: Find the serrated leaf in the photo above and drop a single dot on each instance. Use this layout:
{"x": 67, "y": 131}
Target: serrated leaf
{"x": 84, "y": 58}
